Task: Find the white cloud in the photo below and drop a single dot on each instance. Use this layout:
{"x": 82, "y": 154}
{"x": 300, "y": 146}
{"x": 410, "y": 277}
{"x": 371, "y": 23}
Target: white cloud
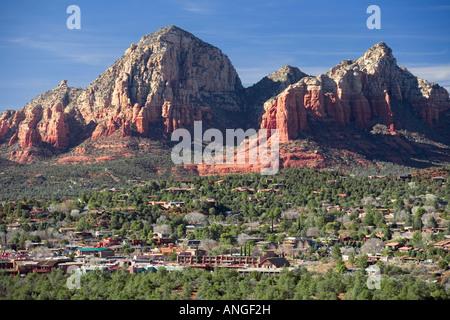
{"x": 80, "y": 52}
{"x": 432, "y": 73}
{"x": 199, "y": 7}
{"x": 426, "y": 53}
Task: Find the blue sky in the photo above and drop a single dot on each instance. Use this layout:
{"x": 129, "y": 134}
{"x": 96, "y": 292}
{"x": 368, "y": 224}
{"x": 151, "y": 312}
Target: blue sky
{"x": 37, "y": 50}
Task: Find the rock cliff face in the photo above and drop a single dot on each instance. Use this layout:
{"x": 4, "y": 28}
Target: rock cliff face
{"x": 42, "y": 127}
{"x": 167, "y": 81}
{"x": 362, "y": 92}
{"x": 170, "y": 78}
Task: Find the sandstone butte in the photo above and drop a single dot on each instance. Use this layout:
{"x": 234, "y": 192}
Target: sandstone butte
{"x": 170, "y": 79}
{"x": 167, "y": 81}
{"x": 370, "y": 90}
{"x": 362, "y": 92}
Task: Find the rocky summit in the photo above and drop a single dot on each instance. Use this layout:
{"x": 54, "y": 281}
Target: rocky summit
{"x": 167, "y": 81}
{"x": 370, "y": 90}
{"x": 369, "y": 108}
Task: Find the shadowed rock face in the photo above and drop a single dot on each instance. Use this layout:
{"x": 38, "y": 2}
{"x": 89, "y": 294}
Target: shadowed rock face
{"x": 267, "y": 88}
{"x": 170, "y": 79}
{"x": 360, "y": 92}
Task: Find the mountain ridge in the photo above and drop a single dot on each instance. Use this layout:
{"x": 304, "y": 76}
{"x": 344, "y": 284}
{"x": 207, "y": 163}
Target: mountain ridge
{"x": 357, "y": 91}
{"x": 171, "y": 78}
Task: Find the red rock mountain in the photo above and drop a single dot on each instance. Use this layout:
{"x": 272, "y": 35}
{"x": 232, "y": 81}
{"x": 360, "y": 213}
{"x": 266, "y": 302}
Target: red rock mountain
{"x": 170, "y": 79}
{"x": 167, "y": 81}
{"x": 370, "y": 90}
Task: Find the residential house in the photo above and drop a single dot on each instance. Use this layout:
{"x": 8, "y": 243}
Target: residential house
{"x": 68, "y": 229}
{"x": 229, "y": 260}
{"x": 190, "y": 229}
{"x": 100, "y": 252}
{"x": 405, "y": 249}
{"x": 108, "y": 242}
{"x": 185, "y": 257}
{"x": 162, "y": 238}
{"x": 443, "y": 244}
{"x": 193, "y": 244}
{"x": 154, "y": 203}
{"x": 6, "y": 264}
{"x": 137, "y": 242}
{"x": 24, "y": 266}
{"x": 243, "y": 189}
{"x": 208, "y": 200}
{"x": 46, "y": 265}
{"x": 409, "y": 259}
{"x": 292, "y": 245}
{"x": 274, "y": 262}
{"x": 231, "y": 213}
{"x": 393, "y": 245}
{"x": 82, "y": 235}
{"x": 169, "y": 249}
{"x": 157, "y": 257}
{"x": 173, "y": 204}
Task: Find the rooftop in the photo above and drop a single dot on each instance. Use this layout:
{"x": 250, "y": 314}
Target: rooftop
{"x": 93, "y": 249}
